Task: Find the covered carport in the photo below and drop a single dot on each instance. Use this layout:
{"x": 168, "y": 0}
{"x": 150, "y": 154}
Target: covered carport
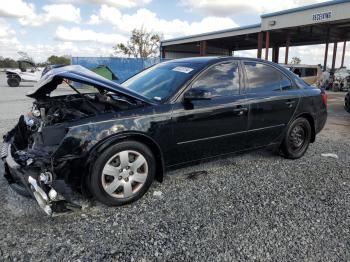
{"x": 322, "y": 23}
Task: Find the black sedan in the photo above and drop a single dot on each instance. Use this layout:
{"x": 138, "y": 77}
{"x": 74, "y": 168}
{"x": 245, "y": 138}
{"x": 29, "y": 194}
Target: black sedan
{"x": 113, "y": 141}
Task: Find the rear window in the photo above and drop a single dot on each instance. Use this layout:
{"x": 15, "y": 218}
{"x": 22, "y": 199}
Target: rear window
{"x": 264, "y": 78}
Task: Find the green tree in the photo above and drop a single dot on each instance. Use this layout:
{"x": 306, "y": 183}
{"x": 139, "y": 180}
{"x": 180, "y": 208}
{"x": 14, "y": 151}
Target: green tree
{"x": 142, "y": 44}
{"x": 8, "y": 62}
{"x": 65, "y": 60}
{"x": 295, "y": 60}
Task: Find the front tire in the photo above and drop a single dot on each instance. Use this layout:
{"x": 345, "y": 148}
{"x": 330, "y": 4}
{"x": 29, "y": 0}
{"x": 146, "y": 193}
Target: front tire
{"x": 122, "y": 173}
{"x": 21, "y": 190}
{"x": 13, "y": 82}
{"x": 297, "y": 139}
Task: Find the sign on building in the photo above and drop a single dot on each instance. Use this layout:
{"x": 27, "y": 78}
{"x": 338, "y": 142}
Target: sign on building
{"x": 322, "y": 16}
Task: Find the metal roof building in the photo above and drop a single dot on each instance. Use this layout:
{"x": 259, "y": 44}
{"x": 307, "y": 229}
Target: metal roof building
{"x": 323, "y": 23}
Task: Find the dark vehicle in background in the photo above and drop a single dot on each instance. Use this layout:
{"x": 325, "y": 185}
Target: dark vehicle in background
{"x": 347, "y": 102}
{"x": 114, "y": 142}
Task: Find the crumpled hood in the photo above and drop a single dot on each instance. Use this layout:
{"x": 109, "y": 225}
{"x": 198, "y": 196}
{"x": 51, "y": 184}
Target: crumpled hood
{"x": 77, "y": 73}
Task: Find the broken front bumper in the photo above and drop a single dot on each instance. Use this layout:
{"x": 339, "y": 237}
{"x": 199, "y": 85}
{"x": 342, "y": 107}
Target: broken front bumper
{"x": 37, "y": 184}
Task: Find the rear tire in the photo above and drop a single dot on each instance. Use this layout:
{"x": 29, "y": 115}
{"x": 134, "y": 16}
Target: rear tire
{"x": 297, "y": 139}
{"x": 122, "y": 173}
{"x": 21, "y": 190}
{"x": 347, "y": 103}
{"x": 13, "y": 82}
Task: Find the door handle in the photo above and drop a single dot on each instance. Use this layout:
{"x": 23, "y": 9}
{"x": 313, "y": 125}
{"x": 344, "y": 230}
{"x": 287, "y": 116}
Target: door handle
{"x": 240, "y": 110}
{"x": 290, "y": 103}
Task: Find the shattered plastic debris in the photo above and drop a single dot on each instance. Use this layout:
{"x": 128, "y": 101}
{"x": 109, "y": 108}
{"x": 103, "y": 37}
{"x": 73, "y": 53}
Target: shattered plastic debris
{"x": 335, "y": 156}
{"x": 157, "y": 193}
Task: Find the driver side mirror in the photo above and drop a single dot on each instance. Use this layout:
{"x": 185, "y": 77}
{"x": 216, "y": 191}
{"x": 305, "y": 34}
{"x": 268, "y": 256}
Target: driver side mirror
{"x": 198, "y": 94}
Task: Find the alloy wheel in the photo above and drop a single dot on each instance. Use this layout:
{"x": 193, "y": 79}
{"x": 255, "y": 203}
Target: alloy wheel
{"x": 297, "y": 137}
{"x": 124, "y": 174}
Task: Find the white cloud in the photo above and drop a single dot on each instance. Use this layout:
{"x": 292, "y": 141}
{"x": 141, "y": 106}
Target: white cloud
{"x": 94, "y": 20}
{"x": 16, "y": 8}
{"x": 8, "y": 39}
{"x": 229, "y": 7}
{"x": 114, "y": 3}
{"x": 169, "y": 28}
{"x": 40, "y": 52}
{"x": 62, "y": 12}
{"x": 7, "y": 35}
{"x": 53, "y": 13}
{"x": 120, "y": 4}
{"x": 76, "y": 34}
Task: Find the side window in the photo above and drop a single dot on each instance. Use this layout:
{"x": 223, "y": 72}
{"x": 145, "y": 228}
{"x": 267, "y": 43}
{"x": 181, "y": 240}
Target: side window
{"x": 221, "y": 79}
{"x": 297, "y": 71}
{"x": 310, "y": 71}
{"x": 264, "y": 78}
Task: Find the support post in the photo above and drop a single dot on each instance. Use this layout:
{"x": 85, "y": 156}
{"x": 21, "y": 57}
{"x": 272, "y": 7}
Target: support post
{"x": 260, "y": 43}
{"x": 325, "y": 56}
{"x": 267, "y": 45}
{"x": 275, "y": 54}
{"x": 343, "y": 55}
{"x": 326, "y": 51}
{"x": 287, "y": 49}
{"x": 203, "y": 48}
{"x": 334, "y": 55}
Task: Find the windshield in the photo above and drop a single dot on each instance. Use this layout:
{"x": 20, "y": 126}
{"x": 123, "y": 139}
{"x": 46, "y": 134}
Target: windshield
{"x": 161, "y": 81}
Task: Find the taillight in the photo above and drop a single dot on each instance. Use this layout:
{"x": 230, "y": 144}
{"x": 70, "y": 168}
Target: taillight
{"x": 324, "y": 98}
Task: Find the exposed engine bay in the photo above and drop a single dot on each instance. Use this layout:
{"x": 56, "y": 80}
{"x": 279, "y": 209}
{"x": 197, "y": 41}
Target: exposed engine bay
{"x": 29, "y": 148}
{"x": 57, "y": 112}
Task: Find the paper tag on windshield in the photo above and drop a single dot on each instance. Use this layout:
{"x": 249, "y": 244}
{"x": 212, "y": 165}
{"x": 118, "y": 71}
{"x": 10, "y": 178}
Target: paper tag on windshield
{"x": 183, "y": 69}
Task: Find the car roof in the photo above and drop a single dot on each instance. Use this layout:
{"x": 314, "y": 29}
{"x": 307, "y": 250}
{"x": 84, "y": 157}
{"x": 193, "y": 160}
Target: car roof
{"x": 214, "y": 59}
{"x": 209, "y": 60}
{"x": 199, "y": 59}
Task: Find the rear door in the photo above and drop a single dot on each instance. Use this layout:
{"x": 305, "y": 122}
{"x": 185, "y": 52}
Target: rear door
{"x": 206, "y": 128}
{"x": 272, "y": 100}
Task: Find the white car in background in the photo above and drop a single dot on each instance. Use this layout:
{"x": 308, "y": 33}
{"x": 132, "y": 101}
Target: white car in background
{"x": 27, "y": 72}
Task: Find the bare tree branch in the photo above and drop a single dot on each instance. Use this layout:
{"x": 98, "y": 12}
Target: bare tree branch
{"x": 142, "y": 44}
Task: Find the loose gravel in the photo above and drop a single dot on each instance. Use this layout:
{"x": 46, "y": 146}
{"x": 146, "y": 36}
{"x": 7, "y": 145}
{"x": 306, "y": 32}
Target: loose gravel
{"x": 254, "y": 206}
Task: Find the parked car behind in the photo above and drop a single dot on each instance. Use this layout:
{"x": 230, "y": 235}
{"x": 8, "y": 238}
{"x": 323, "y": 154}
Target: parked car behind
{"x": 341, "y": 80}
{"x": 26, "y": 72}
{"x": 347, "y": 102}
{"x": 114, "y": 142}
{"x": 311, "y": 74}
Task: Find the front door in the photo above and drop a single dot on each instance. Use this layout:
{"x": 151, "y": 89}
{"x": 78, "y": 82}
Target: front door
{"x": 206, "y": 128}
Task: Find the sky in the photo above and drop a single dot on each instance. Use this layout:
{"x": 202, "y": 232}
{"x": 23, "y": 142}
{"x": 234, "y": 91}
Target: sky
{"x": 92, "y": 27}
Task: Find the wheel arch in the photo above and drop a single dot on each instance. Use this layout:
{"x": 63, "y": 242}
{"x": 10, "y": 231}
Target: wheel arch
{"x": 12, "y": 75}
{"x": 135, "y": 136}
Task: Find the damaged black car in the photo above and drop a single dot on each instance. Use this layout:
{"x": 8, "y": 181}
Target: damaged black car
{"x": 113, "y": 141}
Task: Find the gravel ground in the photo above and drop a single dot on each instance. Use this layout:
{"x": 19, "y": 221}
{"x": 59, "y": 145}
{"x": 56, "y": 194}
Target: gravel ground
{"x": 255, "y": 206}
